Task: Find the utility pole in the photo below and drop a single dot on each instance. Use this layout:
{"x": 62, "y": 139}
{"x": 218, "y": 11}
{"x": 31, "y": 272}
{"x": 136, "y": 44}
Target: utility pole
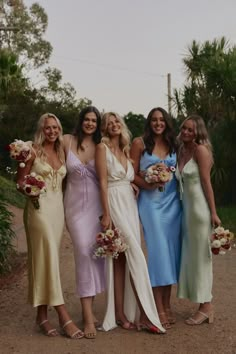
{"x": 169, "y": 92}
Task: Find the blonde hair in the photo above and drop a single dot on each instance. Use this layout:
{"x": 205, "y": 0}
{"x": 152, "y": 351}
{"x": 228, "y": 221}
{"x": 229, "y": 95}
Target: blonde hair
{"x": 201, "y": 134}
{"x": 39, "y": 138}
{"x": 125, "y": 136}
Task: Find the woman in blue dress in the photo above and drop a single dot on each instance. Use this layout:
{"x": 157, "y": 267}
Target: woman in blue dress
{"x": 160, "y": 211}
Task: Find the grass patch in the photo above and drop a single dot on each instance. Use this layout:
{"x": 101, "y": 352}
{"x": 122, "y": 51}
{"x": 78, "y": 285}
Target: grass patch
{"x": 10, "y": 194}
{"x": 227, "y": 214}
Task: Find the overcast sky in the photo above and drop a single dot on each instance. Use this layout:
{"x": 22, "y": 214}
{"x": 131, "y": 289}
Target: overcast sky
{"x": 118, "y": 52}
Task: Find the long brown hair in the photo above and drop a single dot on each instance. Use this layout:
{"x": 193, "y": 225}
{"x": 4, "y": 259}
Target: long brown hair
{"x": 168, "y": 134}
{"x": 78, "y": 131}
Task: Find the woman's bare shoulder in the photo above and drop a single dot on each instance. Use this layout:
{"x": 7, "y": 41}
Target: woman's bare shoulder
{"x": 100, "y": 147}
{"x": 138, "y": 143}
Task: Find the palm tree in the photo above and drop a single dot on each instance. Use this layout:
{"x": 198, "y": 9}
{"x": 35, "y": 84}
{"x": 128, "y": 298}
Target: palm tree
{"x": 210, "y": 90}
{"x": 10, "y": 72}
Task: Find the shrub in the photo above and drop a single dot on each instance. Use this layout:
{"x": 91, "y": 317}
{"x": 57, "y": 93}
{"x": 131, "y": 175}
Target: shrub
{"x": 6, "y": 237}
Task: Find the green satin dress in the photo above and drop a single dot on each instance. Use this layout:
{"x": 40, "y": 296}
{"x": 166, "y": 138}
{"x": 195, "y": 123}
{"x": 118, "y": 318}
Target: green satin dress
{"x": 44, "y": 231}
{"x": 195, "y": 281}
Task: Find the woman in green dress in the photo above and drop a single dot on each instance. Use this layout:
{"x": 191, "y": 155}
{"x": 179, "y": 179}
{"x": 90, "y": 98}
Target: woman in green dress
{"x": 195, "y": 161}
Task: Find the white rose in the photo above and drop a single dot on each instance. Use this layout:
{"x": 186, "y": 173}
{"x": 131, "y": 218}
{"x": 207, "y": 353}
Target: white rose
{"x": 150, "y": 170}
{"x": 223, "y": 241}
{"x": 219, "y": 230}
{"x": 33, "y": 174}
{"x": 22, "y": 165}
{"x": 216, "y": 244}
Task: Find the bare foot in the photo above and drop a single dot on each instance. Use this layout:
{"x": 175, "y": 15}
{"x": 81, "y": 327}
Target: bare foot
{"x": 90, "y": 331}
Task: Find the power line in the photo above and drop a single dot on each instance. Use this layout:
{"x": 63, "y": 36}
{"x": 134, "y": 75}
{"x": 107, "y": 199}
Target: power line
{"x": 108, "y": 66}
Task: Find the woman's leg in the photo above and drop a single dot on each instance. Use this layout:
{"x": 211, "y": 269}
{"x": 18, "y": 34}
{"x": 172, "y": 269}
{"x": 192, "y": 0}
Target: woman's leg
{"x": 159, "y": 293}
{"x": 88, "y": 317}
{"x": 70, "y": 329}
{"x": 42, "y": 321}
{"x": 167, "y": 306}
{"x": 144, "y": 322}
{"x": 119, "y": 286}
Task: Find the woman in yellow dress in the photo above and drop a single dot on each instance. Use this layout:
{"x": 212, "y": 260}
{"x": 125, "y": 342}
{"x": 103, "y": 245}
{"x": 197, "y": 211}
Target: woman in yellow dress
{"x": 44, "y": 227}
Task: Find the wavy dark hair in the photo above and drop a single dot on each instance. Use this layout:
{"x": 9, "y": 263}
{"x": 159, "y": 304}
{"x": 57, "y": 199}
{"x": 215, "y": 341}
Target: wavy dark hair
{"x": 78, "y": 131}
{"x": 168, "y": 134}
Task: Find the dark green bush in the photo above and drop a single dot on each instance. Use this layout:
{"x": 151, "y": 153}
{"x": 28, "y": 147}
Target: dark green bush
{"x": 6, "y": 237}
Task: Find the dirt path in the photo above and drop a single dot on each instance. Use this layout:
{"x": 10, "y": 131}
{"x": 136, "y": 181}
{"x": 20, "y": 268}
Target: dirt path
{"x": 19, "y": 335}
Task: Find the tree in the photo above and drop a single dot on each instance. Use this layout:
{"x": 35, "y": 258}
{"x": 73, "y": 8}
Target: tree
{"x": 210, "y": 91}
{"x": 135, "y": 123}
{"x": 11, "y": 77}
{"x": 20, "y": 103}
{"x": 210, "y": 87}
{"x": 26, "y": 39}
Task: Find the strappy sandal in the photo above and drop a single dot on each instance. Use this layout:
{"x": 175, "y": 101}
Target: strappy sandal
{"x": 205, "y": 317}
{"x": 126, "y": 325}
{"x": 49, "y": 333}
{"x": 171, "y": 318}
{"x": 149, "y": 328}
{"x": 78, "y": 334}
{"x": 91, "y": 334}
{"x": 164, "y": 321}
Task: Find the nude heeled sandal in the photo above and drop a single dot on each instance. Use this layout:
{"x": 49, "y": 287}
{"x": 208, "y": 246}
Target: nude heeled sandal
{"x": 206, "y": 317}
{"x": 171, "y": 318}
{"x": 78, "y": 334}
{"x": 49, "y": 333}
{"x": 164, "y": 320}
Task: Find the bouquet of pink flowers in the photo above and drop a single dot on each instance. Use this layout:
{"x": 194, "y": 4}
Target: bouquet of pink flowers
{"x": 20, "y": 151}
{"x": 159, "y": 173}
{"x": 33, "y": 186}
{"x": 221, "y": 240}
{"x": 109, "y": 243}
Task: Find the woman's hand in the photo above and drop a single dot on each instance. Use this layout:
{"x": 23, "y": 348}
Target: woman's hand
{"x": 151, "y": 186}
{"x": 105, "y": 222}
{"x": 215, "y": 220}
{"x": 142, "y": 174}
{"x": 135, "y": 190}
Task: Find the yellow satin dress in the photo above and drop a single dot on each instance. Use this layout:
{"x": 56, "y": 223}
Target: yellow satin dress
{"x": 44, "y": 231}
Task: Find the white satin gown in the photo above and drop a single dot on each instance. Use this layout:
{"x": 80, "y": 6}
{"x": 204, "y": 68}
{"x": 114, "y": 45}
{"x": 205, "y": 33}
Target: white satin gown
{"x": 124, "y": 215}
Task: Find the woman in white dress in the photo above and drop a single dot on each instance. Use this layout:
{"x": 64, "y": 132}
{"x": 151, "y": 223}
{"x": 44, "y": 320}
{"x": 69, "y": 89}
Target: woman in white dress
{"x": 128, "y": 284}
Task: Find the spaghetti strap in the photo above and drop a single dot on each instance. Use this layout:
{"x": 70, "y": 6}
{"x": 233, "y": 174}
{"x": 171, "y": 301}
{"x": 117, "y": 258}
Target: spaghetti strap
{"x": 141, "y": 138}
{"x": 68, "y": 147}
{"x": 71, "y": 137}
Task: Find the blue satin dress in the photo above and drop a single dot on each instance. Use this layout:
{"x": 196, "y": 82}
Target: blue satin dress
{"x": 160, "y": 215}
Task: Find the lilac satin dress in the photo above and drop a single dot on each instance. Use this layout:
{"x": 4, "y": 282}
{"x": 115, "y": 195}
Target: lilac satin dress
{"x": 82, "y": 211}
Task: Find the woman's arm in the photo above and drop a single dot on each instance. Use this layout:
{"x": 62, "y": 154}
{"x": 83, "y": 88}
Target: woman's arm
{"x": 135, "y": 154}
{"x": 67, "y": 140}
{"x": 204, "y": 160}
{"x": 101, "y": 168}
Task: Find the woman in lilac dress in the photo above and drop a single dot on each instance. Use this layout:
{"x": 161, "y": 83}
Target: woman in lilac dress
{"x": 82, "y": 211}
